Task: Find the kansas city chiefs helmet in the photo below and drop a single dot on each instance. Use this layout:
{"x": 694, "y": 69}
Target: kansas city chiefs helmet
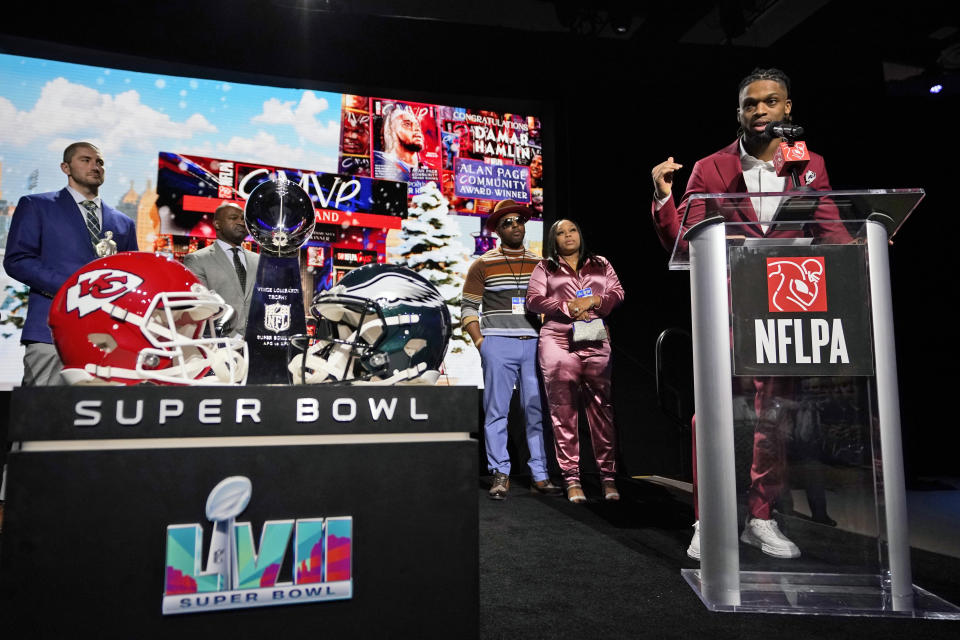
{"x": 381, "y": 323}
{"x": 139, "y": 317}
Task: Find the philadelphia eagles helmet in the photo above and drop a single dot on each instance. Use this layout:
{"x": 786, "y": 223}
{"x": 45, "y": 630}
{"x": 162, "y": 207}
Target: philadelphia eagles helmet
{"x": 381, "y": 323}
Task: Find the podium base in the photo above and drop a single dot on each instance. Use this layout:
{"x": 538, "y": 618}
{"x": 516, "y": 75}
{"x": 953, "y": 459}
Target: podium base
{"x": 823, "y": 594}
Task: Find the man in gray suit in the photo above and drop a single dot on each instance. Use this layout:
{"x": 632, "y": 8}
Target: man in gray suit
{"x": 226, "y": 267}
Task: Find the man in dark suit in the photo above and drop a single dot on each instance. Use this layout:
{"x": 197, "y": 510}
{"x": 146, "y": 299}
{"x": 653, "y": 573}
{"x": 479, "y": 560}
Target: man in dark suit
{"x": 226, "y": 267}
{"x": 746, "y": 166}
{"x": 51, "y": 236}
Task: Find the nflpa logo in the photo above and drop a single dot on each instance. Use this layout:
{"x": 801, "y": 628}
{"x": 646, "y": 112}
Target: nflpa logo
{"x": 789, "y": 155}
{"x": 796, "y": 284}
{"x": 795, "y": 153}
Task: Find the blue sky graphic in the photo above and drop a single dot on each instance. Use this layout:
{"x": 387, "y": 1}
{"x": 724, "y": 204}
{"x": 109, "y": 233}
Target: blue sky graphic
{"x": 45, "y": 105}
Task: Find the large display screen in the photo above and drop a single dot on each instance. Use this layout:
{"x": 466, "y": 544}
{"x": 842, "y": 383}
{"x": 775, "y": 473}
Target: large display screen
{"x": 392, "y": 180}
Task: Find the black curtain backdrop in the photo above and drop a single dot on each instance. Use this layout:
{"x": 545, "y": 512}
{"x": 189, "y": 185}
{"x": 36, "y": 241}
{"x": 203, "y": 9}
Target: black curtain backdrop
{"x": 611, "y": 109}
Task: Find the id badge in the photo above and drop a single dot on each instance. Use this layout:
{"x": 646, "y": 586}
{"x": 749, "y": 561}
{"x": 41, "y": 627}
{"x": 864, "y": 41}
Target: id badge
{"x": 583, "y": 293}
{"x": 519, "y": 305}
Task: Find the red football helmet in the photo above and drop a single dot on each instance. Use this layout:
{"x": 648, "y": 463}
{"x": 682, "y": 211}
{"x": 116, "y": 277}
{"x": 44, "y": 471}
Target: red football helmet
{"x": 135, "y": 317}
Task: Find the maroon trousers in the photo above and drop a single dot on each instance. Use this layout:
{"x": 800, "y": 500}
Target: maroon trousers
{"x": 769, "y": 446}
{"x": 569, "y": 374}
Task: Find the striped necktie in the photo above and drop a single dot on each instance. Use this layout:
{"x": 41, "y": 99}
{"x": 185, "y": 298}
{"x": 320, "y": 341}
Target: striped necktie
{"x": 93, "y": 223}
{"x": 241, "y": 272}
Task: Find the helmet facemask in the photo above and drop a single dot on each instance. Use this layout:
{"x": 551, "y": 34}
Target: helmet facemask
{"x": 181, "y": 329}
{"x": 346, "y": 348}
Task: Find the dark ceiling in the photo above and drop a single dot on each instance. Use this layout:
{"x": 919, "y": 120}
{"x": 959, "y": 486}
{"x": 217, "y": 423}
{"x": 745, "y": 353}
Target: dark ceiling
{"x": 917, "y": 40}
{"x": 919, "y": 32}
{"x": 917, "y": 43}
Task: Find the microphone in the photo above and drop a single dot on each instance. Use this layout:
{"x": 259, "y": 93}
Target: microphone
{"x": 792, "y": 155}
{"x": 783, "y": 130}
{"x": 791, "y": 158}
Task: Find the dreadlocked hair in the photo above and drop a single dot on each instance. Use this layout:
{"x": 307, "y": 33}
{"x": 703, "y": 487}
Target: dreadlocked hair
{"x": 765, "y": 74}
{"x": 759, "y": 73}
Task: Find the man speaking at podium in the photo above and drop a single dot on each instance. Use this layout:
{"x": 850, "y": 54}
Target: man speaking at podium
{"x": 747, "y": 166}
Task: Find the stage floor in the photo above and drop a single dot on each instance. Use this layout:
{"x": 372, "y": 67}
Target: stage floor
{"x": 550, "y": 569}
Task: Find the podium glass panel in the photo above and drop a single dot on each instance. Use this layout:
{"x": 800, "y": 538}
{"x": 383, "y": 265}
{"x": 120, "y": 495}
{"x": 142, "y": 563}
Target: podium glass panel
{"x": 802, "y": 502}
{"x": 802, "y": 217}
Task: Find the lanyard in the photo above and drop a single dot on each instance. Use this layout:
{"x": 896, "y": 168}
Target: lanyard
{"x": 516, "y": 277}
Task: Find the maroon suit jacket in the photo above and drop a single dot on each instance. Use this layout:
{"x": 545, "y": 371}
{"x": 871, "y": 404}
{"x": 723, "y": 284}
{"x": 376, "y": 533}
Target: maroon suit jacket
{"x": 722, "y": 172}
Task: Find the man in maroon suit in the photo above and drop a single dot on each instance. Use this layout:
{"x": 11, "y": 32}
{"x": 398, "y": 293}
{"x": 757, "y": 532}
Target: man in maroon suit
{"x": 746, "y": 167}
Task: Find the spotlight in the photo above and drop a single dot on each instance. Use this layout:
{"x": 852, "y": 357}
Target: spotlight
{"x": 620, "y": 19}
{"x": 937, "y": 88}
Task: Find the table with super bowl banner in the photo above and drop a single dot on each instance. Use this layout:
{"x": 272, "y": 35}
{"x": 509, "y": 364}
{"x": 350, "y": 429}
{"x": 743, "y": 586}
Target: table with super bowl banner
{"x": 157, "y": 512}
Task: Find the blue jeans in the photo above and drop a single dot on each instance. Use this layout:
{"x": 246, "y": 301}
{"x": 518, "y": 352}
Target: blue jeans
{"x": 508, "y": 361}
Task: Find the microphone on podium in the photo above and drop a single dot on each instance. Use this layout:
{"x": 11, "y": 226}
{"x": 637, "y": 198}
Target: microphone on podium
{"x": 792, "y": 155}
{"x": 783, "y": 130}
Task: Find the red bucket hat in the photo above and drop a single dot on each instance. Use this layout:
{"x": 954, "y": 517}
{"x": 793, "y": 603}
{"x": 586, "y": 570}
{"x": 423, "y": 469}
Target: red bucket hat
{"x": 503, "y": 208}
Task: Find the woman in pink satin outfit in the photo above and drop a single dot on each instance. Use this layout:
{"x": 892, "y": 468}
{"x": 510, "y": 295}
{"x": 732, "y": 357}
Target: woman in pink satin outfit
{"x": 570, "y": 285}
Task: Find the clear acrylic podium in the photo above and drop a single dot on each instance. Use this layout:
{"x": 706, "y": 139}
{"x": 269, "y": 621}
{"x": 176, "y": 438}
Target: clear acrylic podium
{"x": 797, "y": 407}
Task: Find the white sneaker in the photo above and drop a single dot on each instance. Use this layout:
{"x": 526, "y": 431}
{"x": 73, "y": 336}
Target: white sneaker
{"x": 694, "y": 549}
{"x": 765, "y": 534}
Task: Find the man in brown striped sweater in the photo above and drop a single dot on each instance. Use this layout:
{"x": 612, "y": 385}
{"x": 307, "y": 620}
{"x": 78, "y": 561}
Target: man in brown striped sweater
{"x": 494, "y": 314}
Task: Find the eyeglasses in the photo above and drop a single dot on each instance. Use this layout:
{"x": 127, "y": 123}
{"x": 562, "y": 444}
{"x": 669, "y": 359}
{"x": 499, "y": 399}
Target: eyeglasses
{"x": 510, "y": 222}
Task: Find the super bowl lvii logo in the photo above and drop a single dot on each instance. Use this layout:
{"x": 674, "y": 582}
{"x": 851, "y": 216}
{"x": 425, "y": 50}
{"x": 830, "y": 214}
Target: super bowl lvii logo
{"x": 240, "y": 575}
